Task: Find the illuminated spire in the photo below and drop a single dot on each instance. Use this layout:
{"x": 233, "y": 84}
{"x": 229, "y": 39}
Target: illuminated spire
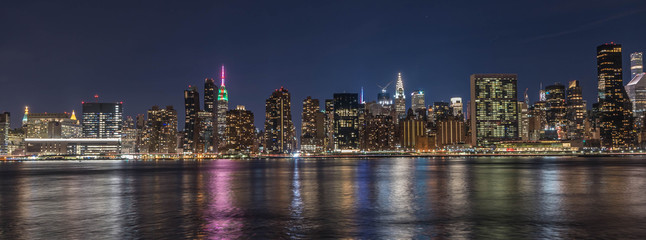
{"x": 399, "y": 88}
{"x": 223, "y": 95}
{"x": 24, "y": 118}
{"x": 73, "y": 117}
{"x": 361, "y": 100}
{"x": 222, "y": 84}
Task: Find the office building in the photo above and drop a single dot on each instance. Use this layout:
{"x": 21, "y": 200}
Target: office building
{"x": 102, "y": 120}
{"x": 209, "y": 95}
{"x": 456, "y": 106}
{"x": 222, "y": 108}
{"x": 240, "y": 132}
{"x": 616, "y": 108}
{"x": 411, "y": 128}
{"x": 494, "y": 108}
{"x": 576, "y": 109}
{"x": 636, "y": 90}
{"x": 450, "y": 132}
{"x": 160, "y": 131}
{"x": 417, "y": 100}
{"x": 206, "y": 141}
{"x": 279, "y": 128}
{"x": 5, "y": 125}
{"x": 400, "y": 97}
{"x": 442, "y": 111}
{"x": 313, "y": 125}
{"x": 346, "y": 122}
{"x": 636, "y": 64}
{"x": 556, "y": 111}
{"x": 191, "y": 128}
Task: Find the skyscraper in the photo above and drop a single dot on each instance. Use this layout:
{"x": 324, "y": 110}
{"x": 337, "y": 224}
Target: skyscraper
{"x": 209, "y": 95}
{"x": 223, "y": 107}
{"x": 311, "y": 141}
{"x": 279, "y": 128}
{"x": 636, "y": 90}
{"x": 160, "y": 131}
{"x": 102, "y": 120}
{"x": 417, "y": 100}
{"x": 346, "y": 121}
{"x": 556, "y": 112}
{"x": 616, "y": 109}
{"x": 636, "y": 64}
{"x": 456, "y": 105}
{"x": 494, "y": 108}
{"x": 192, "y": 107}
{"x": 575, "y": 110}
{"x": 400, "y": 97}
{"x": 206, "y": 141}
{"x": 240, "y": 132}
{"x": 441, "y": 111}
{"x": 5, "y": 125}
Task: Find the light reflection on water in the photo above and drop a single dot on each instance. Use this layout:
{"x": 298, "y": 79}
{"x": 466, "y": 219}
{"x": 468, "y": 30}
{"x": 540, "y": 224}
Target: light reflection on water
{"x": 502, "y": 198}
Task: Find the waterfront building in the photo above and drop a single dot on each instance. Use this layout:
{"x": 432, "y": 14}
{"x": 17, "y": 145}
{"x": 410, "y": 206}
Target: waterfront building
{"x": 160, "y": 131}
{"x": 209, "y": 95}
{"x": 130, "y": 136}
{"x": 102, "y": 120}
{"x": 523, "y": 121}
{"x": 73, "y": 146}
{"x": 456, "y": 106}
{"x": 379, "y": 133}
{"x": 191, "y": 130}
{"x": 450, "y": 132}
{"x": 346, "y": 122}
{"x": 417, "y": 100}
{"x": 410, "y": 129}
{"x": 52, "y": 125}
{"x": 240, "y": 132}
{"x": 556, "y": 110}
{"x": 279, "y": 128}
{"x": 616, "y": 108}
{"x": 313, "y": 125}
{"x": 576, "y": 109}
{"x": 329, "y": 124}
{"x": 222, "y": 108}
{"x": 5, "y": 125}
{"x": 636, "y": 64}
{"x": 494, "y": 108}
{"x": 400, "y": 97}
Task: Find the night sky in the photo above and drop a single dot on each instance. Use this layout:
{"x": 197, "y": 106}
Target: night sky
{"x": 53, "y": 55}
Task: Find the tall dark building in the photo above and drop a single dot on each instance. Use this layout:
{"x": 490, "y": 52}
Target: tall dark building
{"x": 575, "y": 110}
{"x": 279, "y": 128}
{"x": 209, "y": 95}
{"x": 494, "y": 108}
{"x": 5, "y": 125}
{"x": 442, "y": 111}
{"x": 102, "y": 120}
{"x": 346, "y": 121}
{"x": 616, "y": 108}
{"x": 556, "y": 112}
{"x": 192, "y": 107}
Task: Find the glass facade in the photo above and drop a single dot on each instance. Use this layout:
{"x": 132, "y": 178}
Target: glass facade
{"x": 494, "y": 108}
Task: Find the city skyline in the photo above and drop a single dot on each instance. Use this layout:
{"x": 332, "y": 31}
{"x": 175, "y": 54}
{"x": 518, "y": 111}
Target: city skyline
{"x": 405, "y": 45}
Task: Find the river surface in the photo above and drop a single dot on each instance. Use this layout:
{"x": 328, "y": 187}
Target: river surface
{"x": 389, "y": 198}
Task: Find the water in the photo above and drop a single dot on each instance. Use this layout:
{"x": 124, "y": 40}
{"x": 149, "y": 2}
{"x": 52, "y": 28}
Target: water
{"x": 501, "y": 198}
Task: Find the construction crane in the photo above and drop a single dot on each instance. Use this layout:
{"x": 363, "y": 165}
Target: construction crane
{"x": 383, "y": 89}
